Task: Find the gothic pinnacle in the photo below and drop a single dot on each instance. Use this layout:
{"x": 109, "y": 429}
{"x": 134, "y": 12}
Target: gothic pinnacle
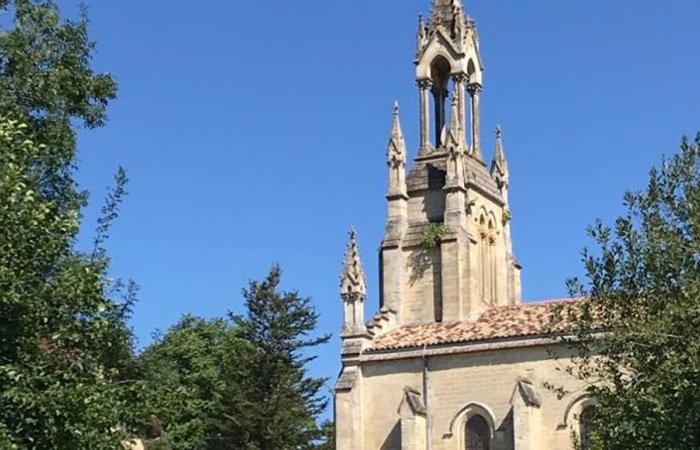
{"x": 447, "y": 13}
{"x": 499, "y": 167}
{"x": 420, "y": 35}
{"x": 396, "y": 152}
{"x": 352, "y": 279}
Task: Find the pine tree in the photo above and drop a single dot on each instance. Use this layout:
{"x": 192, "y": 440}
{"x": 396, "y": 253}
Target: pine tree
{"x": 279, "y": 404}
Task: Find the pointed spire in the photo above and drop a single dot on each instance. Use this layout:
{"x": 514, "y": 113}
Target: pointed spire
{"x": 352, "y": 279}
{"x": 396, "y": 152}
{"x": 499, "y": 166}
{"x": 448, "y": 14}
{"x": 421, "y": 35}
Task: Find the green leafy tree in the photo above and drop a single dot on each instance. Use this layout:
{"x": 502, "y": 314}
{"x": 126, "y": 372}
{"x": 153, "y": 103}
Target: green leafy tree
{"x": 187, "y": 371}
{"x": 637, "y": 337}
{"x": 278, "y": 406}
{"x": 64, "y": 344}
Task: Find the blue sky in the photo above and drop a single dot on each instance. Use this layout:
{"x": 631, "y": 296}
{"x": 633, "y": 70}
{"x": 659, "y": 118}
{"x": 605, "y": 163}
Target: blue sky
{"x": 255, "y": 132}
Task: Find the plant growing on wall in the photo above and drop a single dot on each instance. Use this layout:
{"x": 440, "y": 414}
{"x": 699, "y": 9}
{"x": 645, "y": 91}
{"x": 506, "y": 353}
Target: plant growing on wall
{"x": 432, "y": 235}
{"x": 507, "y": 216}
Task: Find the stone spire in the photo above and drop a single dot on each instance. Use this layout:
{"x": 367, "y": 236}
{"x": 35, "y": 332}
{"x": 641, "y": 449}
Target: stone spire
{"x": 499, "y": 166}
{"x": 421, "y": 35}
{"x": 352, "y": 278}
{"x": 353, "y": 288}
{"x": 450, "y": 15}
{"x": 396, "y": 153}
{"x": 396, "y": 157}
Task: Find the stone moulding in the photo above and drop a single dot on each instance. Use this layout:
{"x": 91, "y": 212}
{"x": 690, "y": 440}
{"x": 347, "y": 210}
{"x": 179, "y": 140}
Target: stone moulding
{"x": 452, "y": 349}
{"x": 467, "y": 412}
{"x": 578, "y": 403}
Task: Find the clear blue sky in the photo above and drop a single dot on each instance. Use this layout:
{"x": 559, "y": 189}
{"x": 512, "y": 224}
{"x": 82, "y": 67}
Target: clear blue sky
{"x": 255, "y": 132}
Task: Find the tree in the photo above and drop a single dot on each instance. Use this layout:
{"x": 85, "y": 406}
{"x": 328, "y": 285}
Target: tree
{"x": 278, "y": 406}
{"x": 187, "y": 371}
{"x": 636, "y": 338}
{"x": 64, "y": 344}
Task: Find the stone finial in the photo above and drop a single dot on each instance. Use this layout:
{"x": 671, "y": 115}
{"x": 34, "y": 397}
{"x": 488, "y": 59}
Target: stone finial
{"x": 499, "y": 166}
{"x": 396, "y": 152}
{"x": 353, "y": 285}
{"x": 421, "y": 35}
{"x": 448, "y": 14}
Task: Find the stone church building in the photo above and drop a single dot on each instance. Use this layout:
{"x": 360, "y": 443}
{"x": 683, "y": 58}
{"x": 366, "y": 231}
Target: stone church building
{"x": 453, "y": 359}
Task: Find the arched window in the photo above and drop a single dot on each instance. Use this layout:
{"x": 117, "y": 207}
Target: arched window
{"x": 492, "y": 263}
{"x": 483, "y": 258}
{"x": 487, "y": 260}
{"x": 440, "y": 70}
{"x": 587, "y": 424}
{"x": 478, "y": 435}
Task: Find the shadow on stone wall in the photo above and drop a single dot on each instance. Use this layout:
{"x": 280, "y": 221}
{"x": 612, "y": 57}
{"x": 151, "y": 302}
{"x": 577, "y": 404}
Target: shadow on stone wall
{"x": 393, "y": 441}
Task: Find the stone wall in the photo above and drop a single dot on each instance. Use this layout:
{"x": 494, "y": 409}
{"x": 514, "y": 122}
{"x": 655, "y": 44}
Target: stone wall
{"x": 506, "y": 386}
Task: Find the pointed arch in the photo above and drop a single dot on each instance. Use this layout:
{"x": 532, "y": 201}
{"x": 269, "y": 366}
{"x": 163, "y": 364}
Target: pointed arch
{"x": 471, "y": 68}
{"x": 483, "y": 254}
{"x": 574, "y": 409}
{"x": 440, "y": 70}
{"x": 477, "y": 434}
{"x": 472, "y": 409}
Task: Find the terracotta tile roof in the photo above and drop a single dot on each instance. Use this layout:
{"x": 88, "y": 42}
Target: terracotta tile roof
{"x": 527, "y": 319}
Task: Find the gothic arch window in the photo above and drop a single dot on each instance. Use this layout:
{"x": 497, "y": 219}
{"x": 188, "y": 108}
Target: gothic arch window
{"x": 492, "y": 261}
{"x": 477, "y": 434}
{"x": 440, "y": 70}
{"x": 487, "y": 259}
{"x": 483, "y": 257}
{"x": 587, "y": 426}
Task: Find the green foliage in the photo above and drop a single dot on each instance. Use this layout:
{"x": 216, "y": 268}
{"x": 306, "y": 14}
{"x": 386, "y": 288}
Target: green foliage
{"x": 327, "y": 441}
{"x": 432, "y": 234}
{"x": 276, "y": 408}
{"x": 46, "y": 82}
{"x": 59, "y": 331}
{"x": 507, "y": 216}
{"x": 187, "y": 373}
{"x": 240, "y": 383}
{"x": 64, "y": 344}
{"x": 644, "y": 290}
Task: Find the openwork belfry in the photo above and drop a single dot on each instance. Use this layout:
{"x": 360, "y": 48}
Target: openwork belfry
{"x": 452, "y": 359}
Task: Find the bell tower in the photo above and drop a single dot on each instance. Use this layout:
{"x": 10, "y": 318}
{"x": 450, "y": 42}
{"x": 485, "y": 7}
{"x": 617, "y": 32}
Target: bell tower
{"x": 447, "y": 253}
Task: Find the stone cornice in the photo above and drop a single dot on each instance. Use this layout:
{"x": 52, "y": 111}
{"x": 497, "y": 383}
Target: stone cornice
{"x": 460, "y": 348}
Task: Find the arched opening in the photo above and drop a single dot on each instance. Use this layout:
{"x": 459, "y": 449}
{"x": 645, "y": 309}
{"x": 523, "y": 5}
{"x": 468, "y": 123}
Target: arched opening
{"x": 440, "y": 70}
{"x": 492, "y": 263}
{"x": 587, "y": 426}
{"x": 477, "y": 434}
{"x": 483, "y": 257}
{"x": 488, "y": 276}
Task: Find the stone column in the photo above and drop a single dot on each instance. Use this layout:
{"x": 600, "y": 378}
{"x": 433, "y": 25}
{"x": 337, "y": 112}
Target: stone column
{"x": 475, "y": 93}
{"x": 460, "y": 81}
{"x": 424, "y": 86}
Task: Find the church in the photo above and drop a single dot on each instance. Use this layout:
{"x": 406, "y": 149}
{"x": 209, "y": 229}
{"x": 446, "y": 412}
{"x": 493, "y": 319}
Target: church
{"x": 453, "y": 359}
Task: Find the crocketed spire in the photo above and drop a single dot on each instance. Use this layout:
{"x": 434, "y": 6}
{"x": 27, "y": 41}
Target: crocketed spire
{"x": 448, "y": 14}
{"x": 499, "y": 166}
{"x": 352, "y": 279}
{"x": 396, "y": 152}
